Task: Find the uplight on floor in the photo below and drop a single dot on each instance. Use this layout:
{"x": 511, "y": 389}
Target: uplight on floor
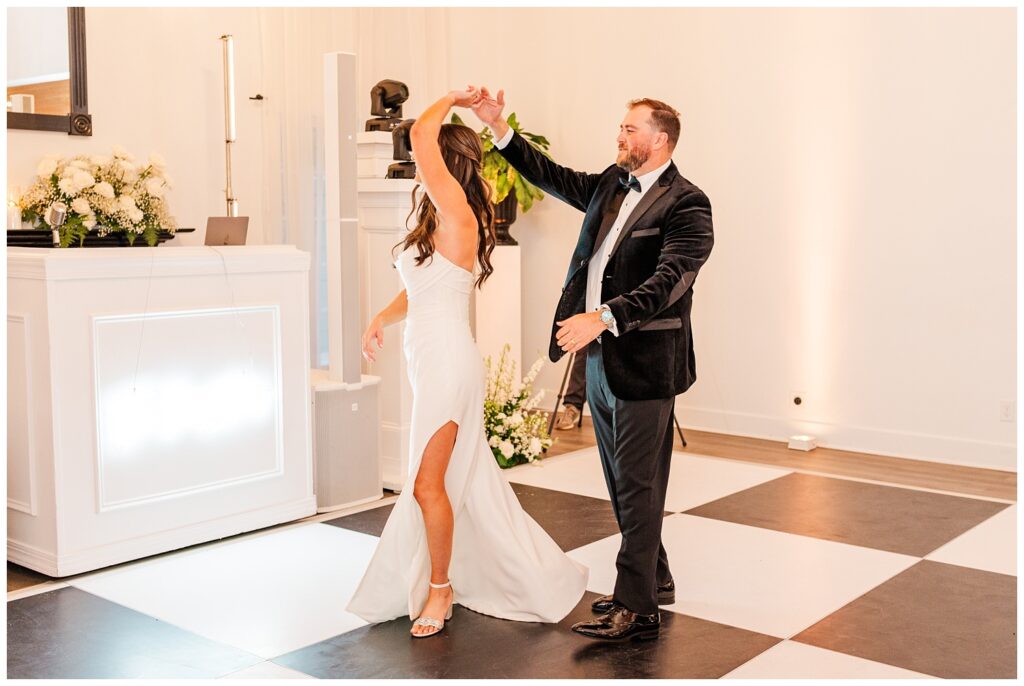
{"x": 802, "y": 442}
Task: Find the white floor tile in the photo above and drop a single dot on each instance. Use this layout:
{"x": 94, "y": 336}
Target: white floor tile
{"x": 766, "y": 581}
{"x": 991, "y": 546}
{"x": 267, "y": 594}
{"x": 267, "y": 670}
{"x": 693, "y": 479}
{"x": 789, "y": 660}
{"x": 577, "y": 472}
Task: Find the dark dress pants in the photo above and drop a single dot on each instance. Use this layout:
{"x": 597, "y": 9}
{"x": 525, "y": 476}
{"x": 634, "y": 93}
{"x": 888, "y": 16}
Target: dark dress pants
{"x": 576, "y": 393}
{"x": 634, "y": 438}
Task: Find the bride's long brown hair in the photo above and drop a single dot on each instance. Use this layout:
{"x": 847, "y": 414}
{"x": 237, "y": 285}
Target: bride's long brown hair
{"x": 460, "y": 148}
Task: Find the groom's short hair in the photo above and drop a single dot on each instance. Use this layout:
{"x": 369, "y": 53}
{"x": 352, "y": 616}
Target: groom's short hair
{"x": 663, "y": 118}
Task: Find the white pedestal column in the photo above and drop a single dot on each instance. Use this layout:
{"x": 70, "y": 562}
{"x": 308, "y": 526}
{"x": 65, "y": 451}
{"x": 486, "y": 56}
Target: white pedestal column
{"x": 383, "y": 206}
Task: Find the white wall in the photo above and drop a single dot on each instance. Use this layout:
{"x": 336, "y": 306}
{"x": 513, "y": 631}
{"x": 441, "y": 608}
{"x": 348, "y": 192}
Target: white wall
{"x": 860, "y": 163}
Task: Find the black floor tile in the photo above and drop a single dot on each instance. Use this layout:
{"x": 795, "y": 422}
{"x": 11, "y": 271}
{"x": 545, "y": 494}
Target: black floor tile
{"x": 366, "y": 522}
{"x": 938, "y": 619}
{"x": 478, "y": 646}
{"x": 571, "y": 520}
{"x": 69, "y": 633}
{"x": 898, "y": 520}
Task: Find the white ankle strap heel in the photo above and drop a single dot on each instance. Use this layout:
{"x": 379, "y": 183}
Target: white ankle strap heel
{"x": 436, "y": 625}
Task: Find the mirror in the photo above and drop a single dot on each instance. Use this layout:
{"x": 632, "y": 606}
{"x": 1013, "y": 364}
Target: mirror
{"x": 46, "y": 75}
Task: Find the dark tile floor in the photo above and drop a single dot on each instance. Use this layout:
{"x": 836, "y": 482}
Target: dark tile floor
{"x": 482, "y": 647}
{"x": 68, "y": 633}
{"x": 899, "y": 520}
{"x": 949, "y": 621}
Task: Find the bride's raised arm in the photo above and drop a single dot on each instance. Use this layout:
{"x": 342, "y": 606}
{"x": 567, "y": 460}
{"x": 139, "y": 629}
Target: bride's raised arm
{"x": 445, "y": 192}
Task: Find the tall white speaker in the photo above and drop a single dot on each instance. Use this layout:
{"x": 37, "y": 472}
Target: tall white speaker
{"x": 346, "y": 413}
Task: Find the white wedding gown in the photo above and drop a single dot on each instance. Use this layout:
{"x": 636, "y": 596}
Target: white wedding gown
{"x": 503, "y": 563}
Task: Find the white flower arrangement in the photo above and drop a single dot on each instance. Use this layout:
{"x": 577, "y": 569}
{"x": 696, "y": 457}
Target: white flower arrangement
{"x": 109, "y": 193}
{"x": 515, "y": 433}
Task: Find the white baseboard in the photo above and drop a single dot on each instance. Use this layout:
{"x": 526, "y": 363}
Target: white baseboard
{"x": 929, "y": 448}
{"x": 79, "y": 561}
{"x": 31, "y": 557}
{"x": 925, "y": 447}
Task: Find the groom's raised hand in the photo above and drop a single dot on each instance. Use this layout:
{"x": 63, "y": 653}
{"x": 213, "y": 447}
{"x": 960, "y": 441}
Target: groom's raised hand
{"x": 489, "y": 109}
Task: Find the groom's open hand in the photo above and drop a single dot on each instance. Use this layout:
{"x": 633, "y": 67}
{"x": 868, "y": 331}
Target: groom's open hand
{"x": 488, "y": 109}
{"x": 577, "y": 332}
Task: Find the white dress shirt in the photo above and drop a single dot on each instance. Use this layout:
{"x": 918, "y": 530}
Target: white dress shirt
{"x": 599, "y": 260}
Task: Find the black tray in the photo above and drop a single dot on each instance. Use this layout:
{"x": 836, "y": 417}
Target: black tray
{"x": 43, "y": 238}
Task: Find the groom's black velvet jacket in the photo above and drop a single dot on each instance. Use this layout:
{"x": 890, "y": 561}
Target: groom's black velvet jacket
{"x": 648, "y": 283}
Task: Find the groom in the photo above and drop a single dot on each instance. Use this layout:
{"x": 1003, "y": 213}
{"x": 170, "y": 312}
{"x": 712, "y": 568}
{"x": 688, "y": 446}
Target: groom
{"x": 626, "y": 301}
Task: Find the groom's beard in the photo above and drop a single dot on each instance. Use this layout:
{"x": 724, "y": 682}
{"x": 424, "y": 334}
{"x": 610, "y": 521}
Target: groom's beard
{"x": 631, "y": 160}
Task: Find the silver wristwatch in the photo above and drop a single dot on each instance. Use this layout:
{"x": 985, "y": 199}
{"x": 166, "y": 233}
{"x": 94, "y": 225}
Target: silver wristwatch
{"x": 607, "y": 318}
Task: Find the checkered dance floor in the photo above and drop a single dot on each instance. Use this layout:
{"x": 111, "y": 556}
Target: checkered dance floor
{"x": 779, "y": 574}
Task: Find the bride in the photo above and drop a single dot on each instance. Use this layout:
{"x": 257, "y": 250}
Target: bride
{"x": 458, "y": 534}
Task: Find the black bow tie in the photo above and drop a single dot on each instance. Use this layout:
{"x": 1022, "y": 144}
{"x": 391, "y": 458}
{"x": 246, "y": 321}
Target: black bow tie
{"x": 633, "y": 183}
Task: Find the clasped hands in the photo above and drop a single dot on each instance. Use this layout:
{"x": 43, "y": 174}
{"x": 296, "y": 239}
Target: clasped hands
{"x": 486, "y": 107}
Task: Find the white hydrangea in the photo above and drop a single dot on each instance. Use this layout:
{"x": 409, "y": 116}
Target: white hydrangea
{"x": 81, "y": 205}
{"x": 84, "y": 179}
{"x": 507, "y": 449}
{"x": 46, "y": 168}
{"x": 155, "y": 187}
{"x": 67, "y": 186}
{"x": 121, "y": 153}
{"x": 104, "y": 189}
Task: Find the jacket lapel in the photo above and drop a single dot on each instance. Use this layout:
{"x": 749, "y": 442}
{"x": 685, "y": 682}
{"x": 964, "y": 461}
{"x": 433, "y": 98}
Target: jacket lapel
{"x": 651, "y": 197}
{"x": 611, "y": 213}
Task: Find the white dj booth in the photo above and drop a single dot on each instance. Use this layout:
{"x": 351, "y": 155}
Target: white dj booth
{"x": 157, "y": 397}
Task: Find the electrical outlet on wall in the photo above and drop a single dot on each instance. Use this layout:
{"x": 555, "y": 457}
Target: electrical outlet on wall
{"x": 1007, "y": 411}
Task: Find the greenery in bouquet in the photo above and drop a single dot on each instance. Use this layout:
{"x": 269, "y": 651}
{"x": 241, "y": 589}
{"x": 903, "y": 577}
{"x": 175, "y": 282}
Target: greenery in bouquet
{"x": 108, "y": 193}
{"x": 515, "y": 432}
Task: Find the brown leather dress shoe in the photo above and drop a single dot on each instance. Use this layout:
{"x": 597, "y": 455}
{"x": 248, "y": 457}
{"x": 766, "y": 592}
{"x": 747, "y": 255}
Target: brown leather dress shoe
{"x": 621, "y": 624}
{"x": 666, "y": 596}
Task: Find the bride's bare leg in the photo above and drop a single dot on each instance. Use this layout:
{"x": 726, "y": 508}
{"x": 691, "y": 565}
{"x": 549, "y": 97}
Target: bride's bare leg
{"x": 437, "y": 517}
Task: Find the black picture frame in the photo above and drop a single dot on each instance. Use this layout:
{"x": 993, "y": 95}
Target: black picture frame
{"x": 78, "y": 122}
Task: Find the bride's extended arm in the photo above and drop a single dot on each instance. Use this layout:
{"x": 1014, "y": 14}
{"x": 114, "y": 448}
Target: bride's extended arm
{"x": 392, "y": 314}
